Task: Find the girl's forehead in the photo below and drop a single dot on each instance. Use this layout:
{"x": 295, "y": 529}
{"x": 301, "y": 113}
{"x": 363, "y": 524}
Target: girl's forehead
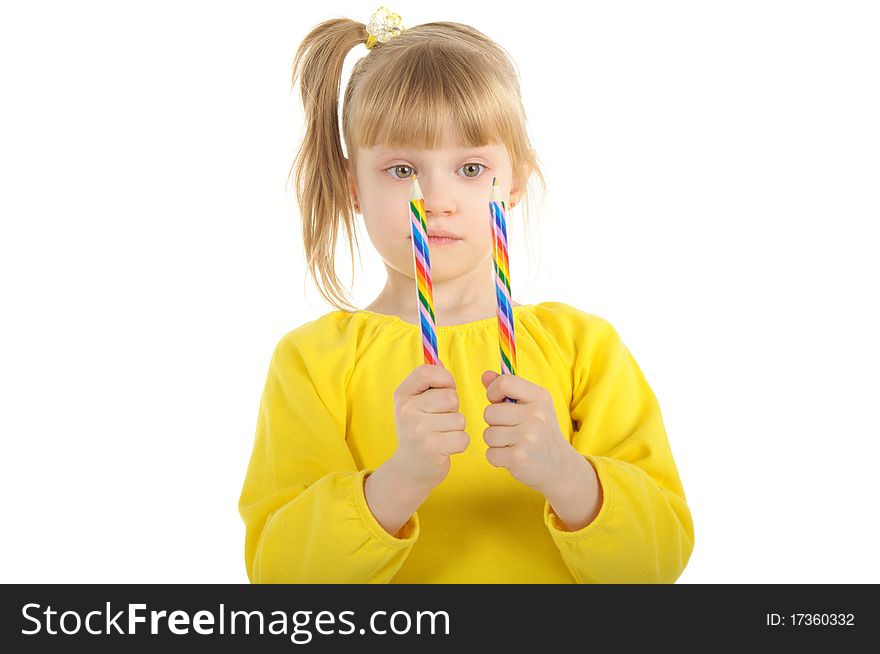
{"x": 455, "y": 150}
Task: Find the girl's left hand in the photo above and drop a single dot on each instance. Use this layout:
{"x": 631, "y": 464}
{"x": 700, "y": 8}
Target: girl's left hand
{"x": 525, "y": 437}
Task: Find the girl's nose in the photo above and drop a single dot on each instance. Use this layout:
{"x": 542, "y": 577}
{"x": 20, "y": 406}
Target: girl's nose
{"x": 439, "y": 199}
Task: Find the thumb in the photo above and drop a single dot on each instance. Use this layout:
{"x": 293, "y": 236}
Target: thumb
{"x": 488, "y": 377}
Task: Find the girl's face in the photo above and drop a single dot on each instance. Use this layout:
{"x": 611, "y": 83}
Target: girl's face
{"x": 456, "y": 183}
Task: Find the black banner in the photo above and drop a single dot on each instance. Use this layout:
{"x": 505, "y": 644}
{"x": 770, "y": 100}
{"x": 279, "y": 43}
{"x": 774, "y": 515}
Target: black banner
{"x": 402, "y": 617}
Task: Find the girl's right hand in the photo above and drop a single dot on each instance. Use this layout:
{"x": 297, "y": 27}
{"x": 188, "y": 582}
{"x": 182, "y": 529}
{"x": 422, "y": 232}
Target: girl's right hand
{"x": 429, "y": 426}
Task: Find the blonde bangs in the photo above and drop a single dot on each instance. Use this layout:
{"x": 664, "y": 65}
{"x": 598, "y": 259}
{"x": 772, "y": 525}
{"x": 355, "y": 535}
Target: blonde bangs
{"x": 429, "y": 99}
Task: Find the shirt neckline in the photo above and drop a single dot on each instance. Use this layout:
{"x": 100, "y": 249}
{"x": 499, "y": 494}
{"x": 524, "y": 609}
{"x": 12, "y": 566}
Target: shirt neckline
{"x": 464, "y": 326}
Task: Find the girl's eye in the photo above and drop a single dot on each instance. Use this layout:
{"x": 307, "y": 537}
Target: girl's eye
{"x": 471, "y": 167}
{"x": 397, "y": 168}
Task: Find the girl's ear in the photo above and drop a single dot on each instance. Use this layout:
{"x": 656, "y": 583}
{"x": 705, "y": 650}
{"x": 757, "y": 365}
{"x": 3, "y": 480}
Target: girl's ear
{"x": 519, "y": 183}
{"x": 352, "y": 185}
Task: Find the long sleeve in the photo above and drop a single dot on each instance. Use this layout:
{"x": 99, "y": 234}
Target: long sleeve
{"x": 643, "y": 532}
{"x": 303, "y": 503}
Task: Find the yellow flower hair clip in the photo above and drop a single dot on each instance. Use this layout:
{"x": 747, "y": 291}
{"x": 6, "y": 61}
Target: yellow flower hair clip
{"x": 383, "y": 26}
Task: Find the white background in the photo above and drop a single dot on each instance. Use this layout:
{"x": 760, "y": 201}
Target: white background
{"x": 713, "y": 193}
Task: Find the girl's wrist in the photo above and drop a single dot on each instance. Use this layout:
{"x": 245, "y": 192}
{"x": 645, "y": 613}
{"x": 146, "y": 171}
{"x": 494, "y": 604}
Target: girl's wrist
{"x": 409, "y": 489}
{"x": 579, "y": 497}
{"x": 390, "y": 499}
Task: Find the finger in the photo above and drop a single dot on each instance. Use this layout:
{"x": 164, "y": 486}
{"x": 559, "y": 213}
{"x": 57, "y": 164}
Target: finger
{"x": 445, "y": 422}
{"x": 500, "y": 457}
{"x": 439, "y": 400}
{"x": 514, "y": 387}
{"x": 424, "y": 377}
{"x": 499, "y": 437}
{"x": 453, "y": 442}
{"x": 503, "y": 414}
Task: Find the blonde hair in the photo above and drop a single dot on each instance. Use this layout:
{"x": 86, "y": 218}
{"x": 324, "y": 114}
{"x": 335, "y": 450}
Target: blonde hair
{"x": 431, "y": 82}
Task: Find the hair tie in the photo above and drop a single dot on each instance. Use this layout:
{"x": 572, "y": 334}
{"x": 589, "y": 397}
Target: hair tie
{"x": 383, "y": 26}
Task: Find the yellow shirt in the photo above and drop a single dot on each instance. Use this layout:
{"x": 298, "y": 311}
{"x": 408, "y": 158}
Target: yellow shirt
{"x": 326, "y": 421}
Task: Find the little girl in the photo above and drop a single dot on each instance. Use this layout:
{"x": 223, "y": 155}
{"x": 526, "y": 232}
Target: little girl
{"x": 368, "y": 467}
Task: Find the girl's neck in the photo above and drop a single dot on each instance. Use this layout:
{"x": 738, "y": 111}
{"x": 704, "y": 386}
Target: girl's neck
{"x": 465, "y": 298}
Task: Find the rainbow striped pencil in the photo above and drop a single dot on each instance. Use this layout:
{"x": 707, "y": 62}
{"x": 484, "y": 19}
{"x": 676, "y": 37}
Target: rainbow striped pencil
{"x": 501, "y": 275}
{"x": 422, "y": 265}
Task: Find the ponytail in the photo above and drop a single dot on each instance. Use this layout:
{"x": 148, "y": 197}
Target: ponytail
{"x": 319, "y": 170}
